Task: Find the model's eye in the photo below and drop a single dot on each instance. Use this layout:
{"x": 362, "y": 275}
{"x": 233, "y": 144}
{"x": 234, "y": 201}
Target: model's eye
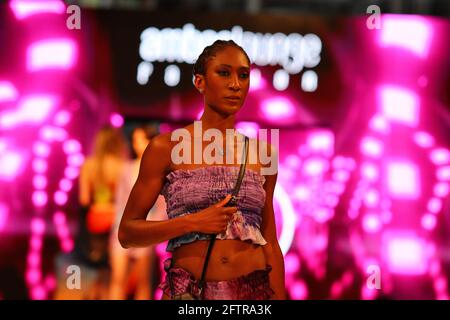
{"x": 223, "y": 73}
{"x": 244, "y": 75}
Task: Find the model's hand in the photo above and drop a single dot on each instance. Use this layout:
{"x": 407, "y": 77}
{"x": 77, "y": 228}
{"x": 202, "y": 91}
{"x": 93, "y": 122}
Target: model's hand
{"x": 213, "y": 219}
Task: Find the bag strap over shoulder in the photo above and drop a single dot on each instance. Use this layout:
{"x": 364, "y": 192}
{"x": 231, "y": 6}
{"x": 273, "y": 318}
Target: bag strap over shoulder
{"x": 232, "y": 202}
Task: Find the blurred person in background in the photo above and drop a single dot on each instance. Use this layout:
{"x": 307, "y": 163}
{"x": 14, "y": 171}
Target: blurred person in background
{"x": 142, "y": 259}
{"x": 99, "y": 178}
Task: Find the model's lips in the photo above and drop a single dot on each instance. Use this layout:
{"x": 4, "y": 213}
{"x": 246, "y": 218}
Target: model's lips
{"x": 233, "y": 98}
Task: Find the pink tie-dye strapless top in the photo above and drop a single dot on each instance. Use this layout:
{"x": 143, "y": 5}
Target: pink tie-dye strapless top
{"x": 189, "y": 191}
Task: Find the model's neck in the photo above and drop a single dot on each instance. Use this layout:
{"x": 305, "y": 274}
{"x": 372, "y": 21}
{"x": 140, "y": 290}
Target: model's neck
{"x": 212, "y": 119}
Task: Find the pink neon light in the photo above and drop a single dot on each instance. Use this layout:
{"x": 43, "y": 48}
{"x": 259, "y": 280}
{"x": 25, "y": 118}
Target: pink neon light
{"x": 25, "y": 8}
{"x": 38, "y": 293}
{"x": 60, "y": 198}
{"x": 428, "y": 221}
{"x": 116, "y": 120}
{"x": 302, "y": 193}
{"x": 322, "y": 215}
{"x": 39, "y": 198}
{"x": 331, "y": 201}
{"x": 67, "y": 245}
{"x": 339, "y": 162}
{"x": 315, "y": 166}
{"x": 440, "y": 156}
{"x": 39, "y": 165}
{"x": 292, "y": 161}
{"x": 49, "y": 133}
{"x": 277, "y": 108}
{"x": 341, "y": 175}
{"x": 63, "y": 232}
{"x": 71, "y": 146}
{"x": 347, "y": 278}
{"x": 299, "y": 291}
{"x": 406, "y": 254}
{"x": 386, "y": 216}
{"x": 304, "y": 151}
{"x": 371, "y": 147}
{"x": 368, "y": 294}
{"x": 441, "y": 189}
{"x": 371, "y": 198}
{"x": 349, "y": 164}
{"x": 4, "y": 212}
{"x": 65, "y": 185}
{"x": 34, "y": 260}
{"x": 403, "y": 180}
{"x": 62, "y": 118}
{"x": 434, "y": 205}
{"x": 33, "y": 276}
{"x": 440, "y": 284}
{"x": 399, "y": 104}
{"x": 11, "y": 164}
{"x": 338, "y": 188}
{"x": 250, "y": 129}
{"x": 41, "y": 149}
{"x": 336, "y": 290}
{"x": 59, "y": 218}
{"x": 71, "y": 173}
{"x": 292, "y": 263}
{"x": 37, "y": 226}
{"x": 50, "y": 282}
{"x": 435, "y": 268}
{"x": 371, "y": 223}
{"x": 33, "y": 109}
{"x": 410, "y": 32}
{"x": 75, "y": 160}
{"x": 369, "y": 171}
{"x": 423, "y": 139}
{"x": 55, "y": 53}
{"x": 321, "y": 141}
{"x": 7, "y": 91}
{"x": 379, "y": 124}
{"x": 36, "y": 243}
{"x": 443, "y": 173}
{"x": 39, "y": 182}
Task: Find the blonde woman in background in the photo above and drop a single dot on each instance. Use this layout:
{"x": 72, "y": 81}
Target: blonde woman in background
{"x": 143, "y": 258}
{"x": 99, "y": 178}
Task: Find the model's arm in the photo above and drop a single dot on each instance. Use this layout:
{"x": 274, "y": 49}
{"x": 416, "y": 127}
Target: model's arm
{"x": 134, "y": 230}
{"x": 272, "y": 249}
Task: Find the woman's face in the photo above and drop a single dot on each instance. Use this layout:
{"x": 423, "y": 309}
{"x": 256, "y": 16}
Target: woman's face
{"x": 227, "y": 81}
{"x": 139, "y": 142}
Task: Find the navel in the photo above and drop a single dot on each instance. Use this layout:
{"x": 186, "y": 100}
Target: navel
{"x": 224, "y": 260}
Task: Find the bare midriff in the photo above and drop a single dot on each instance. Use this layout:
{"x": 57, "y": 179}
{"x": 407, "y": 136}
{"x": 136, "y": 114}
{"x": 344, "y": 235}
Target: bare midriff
{"x": 229, "y": 259}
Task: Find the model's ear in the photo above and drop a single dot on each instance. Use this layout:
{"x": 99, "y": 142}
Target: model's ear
{"x": 199, "y": 82}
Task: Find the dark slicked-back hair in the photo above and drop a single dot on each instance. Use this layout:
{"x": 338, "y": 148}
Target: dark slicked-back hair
{"x": 211, "y": 51}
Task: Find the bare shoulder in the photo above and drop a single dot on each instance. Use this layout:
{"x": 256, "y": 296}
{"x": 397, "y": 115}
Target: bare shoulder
{"x": 157, "y": 154}
{"x": 161, "y": 140}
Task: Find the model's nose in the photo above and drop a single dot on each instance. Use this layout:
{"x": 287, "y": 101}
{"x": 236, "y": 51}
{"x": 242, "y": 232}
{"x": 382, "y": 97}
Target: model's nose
{"x": 234, "y": 83}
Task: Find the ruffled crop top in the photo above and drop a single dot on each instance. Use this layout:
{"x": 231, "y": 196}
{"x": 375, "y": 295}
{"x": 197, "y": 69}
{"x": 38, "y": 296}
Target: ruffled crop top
{"x": 189, "y": 191}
